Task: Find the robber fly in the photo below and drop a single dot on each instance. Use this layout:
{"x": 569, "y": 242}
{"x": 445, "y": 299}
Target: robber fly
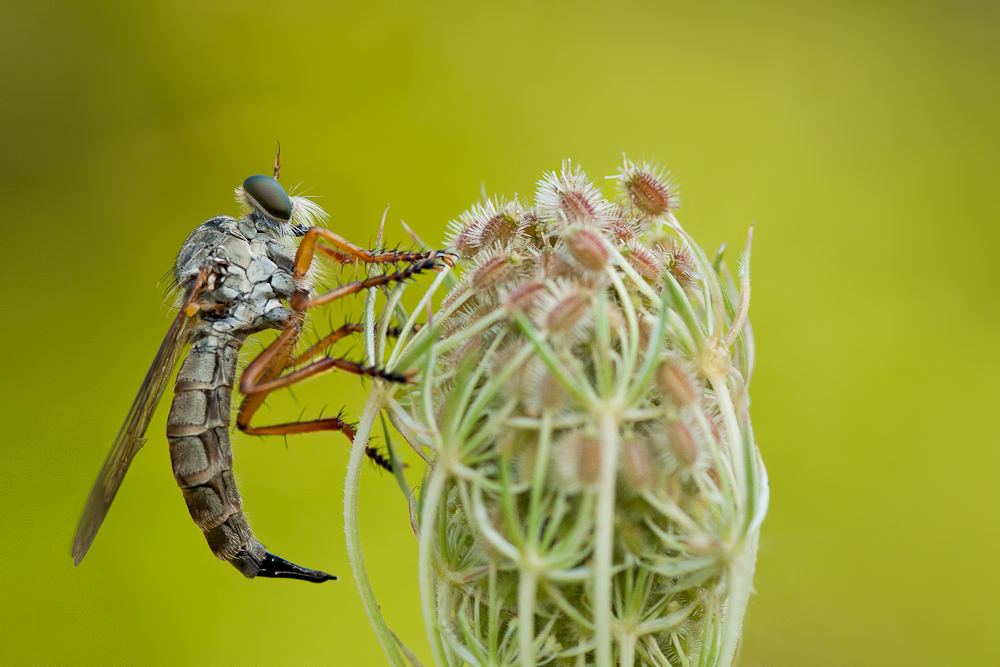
{"x": 234, "y": 275}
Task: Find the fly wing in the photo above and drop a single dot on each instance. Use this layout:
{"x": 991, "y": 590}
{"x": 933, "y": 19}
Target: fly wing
{"x": 130, "y": 440}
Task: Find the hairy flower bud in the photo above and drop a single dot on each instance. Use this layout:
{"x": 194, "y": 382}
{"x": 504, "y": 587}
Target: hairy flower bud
{"x": 578, "y": 461}
{"x": 523, "y": 297}
{"x": 677, "y": 383}
{"x": 651, "y": 191}
{"x": 683, "y": 444}
{"x": 587, "y": 248}
{"x": 569, "y": 197}
{"x": 493, "y": 271}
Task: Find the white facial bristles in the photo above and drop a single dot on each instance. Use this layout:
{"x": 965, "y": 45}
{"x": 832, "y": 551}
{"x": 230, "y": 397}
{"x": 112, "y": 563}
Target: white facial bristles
{"x": 307, "y": 213}
{"x": 586, "y": 247}
{"x": 243, "y": 199}
{"x": 569, "y": 197}
{"x": 649, "y": 188}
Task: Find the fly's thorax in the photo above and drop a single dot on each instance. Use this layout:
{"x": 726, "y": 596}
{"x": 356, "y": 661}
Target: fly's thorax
{"x": 255, "y": 268}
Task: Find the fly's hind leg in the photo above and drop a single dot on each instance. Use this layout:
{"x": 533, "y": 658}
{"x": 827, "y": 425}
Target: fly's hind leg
{"x": 264, "y": 375}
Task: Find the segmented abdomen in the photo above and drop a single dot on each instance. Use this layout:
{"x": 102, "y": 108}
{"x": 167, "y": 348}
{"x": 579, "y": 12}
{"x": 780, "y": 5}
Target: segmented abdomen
{"x": 200, "y": 452}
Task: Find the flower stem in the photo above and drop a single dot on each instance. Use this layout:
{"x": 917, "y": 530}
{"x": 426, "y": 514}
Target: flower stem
{"x": 428, "y": 534}
{"x": 604, "y": 537}
{"x": 352, "y": 483}
{"x": 354, "y": 555}
{"x": 526, "y": 586}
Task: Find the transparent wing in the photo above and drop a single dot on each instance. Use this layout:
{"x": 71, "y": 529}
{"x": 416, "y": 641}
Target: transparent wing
{"x": 130, "y": 440}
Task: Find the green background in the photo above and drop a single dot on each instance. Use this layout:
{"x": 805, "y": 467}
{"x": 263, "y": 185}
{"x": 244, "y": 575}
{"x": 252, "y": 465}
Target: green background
{"x": 862, "y": 138}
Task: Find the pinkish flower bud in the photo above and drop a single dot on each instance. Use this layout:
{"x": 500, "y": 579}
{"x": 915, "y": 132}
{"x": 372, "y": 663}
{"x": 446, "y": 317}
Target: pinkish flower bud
{"x": 565, "y": 310}
{"x": 569, "y": 197}
{"x": 462, "y": 242}
{"x": 578, "y": 461}
{"x": 677, "y": 382}
{"x": 678, "y": 261}
{"x": 683, "y": 443}
{"x": 643, "y": 260}
{"x": 492, "y": 272}
{"x": 637, "y": 464}
{"x": 587, "y": 248}
{"x": 648, "y": 189}
{"x": 524, "y": 296}
{"x": 548, "y": 265}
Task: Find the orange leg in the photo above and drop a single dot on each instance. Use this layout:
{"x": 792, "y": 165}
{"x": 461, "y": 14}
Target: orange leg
{"x": 327, "y": 341}
{"x": 260, "y": 378}
{"x": 266, "y": 373}
{"x": 350, "y": 252}
{"x": 343, "y": 332}
{"x": 301, "y": 301}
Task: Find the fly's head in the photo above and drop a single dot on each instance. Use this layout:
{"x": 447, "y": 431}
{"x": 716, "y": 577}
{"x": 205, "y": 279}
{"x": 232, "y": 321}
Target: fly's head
{"x": 265, "y": 201}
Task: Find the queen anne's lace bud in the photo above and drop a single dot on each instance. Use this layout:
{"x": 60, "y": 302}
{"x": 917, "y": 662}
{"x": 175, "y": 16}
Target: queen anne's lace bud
{"x": 649, "y": 189}
{"x": 595, "y": 493}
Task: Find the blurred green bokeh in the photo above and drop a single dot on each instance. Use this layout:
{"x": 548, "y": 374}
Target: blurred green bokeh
{"x": 863, "y": 140}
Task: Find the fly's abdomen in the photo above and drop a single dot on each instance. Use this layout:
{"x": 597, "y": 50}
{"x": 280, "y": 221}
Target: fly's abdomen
{"x": 202, "y": 458}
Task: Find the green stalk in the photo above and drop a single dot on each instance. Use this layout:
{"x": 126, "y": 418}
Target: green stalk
{"x": 354, "y": 555}
{"x": 604, "y": 529}
{"x": 526, "y": 588}
{"x": 431, "y": 499}
{"x": 352, "y": 483}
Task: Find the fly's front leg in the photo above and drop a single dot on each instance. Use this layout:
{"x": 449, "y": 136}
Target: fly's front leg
{"x": 301, "y": 300}
{"x": 327, "y": 341}
{"x": 263, "y": 376}
{"x": 347, "y": 252}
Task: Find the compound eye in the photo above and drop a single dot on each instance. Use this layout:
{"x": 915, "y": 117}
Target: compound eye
{"x": 269, "y": 195}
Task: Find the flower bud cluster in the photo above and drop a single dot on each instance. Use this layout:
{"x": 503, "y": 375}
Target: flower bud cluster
{"x": 595, "y": 493}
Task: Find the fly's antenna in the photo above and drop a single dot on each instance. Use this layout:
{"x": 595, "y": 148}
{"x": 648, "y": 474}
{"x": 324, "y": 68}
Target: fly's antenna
{"x": 277, "y": 162}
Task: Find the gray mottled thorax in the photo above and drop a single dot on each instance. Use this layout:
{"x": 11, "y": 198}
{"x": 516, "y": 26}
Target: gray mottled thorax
{"x": 258, "y": 272}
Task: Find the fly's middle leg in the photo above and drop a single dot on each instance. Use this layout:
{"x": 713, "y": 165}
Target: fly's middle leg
{"x": 263, "y": 376}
